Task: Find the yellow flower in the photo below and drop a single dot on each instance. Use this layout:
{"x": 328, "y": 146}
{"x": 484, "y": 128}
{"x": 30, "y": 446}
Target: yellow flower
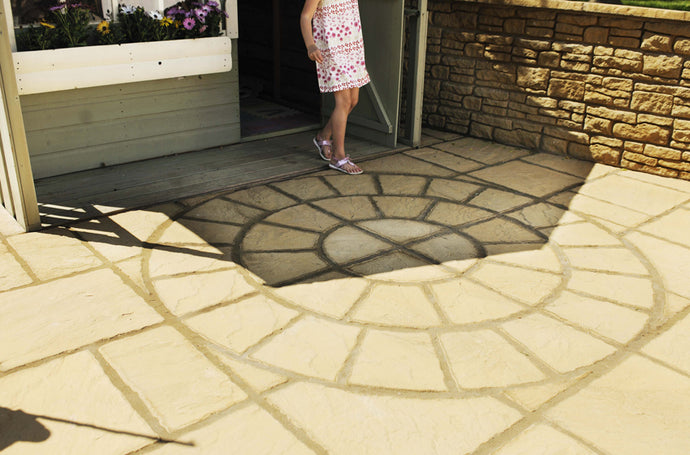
{"x": 103, "y": 27}
{"x": 166, "y": 21}
{"x": 45, "y": 24}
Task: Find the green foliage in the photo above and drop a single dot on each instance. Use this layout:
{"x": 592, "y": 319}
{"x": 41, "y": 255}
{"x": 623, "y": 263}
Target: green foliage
{"x": 681, "y": 5}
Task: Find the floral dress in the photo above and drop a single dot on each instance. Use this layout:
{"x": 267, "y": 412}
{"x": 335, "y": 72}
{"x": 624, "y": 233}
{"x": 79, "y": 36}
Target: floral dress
{"x": 338, "y": 35}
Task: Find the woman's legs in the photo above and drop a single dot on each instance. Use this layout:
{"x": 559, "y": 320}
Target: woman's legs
{"x": 345, "y": 101}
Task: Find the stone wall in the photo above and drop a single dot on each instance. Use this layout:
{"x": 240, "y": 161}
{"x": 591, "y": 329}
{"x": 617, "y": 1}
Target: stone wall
{"x": 600, "y": 82}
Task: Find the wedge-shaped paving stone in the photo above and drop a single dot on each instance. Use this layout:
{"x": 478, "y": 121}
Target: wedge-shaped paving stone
{"x": 401, "y": 207}
{"x": 582, "y": 234}
{"x": 210, "y": 231}
{"x": 397, "y": 360}
{"x": 527, "y": 178}
{"x": 499, "y": 201}
{"x": 312, "y": 347}
{"x": 481, "y": 150}
{"x": 578, "y": 168}
{"x": 402, "y": 184}
{"x": 243, "y": 324}
{"x": 262, "y": 197}
{"x": 447, "y": 247}
{"x": 607, "y": 319}
{"x": 543, "y": 258}
{"x": 628, "y": 290}
{"x": 531, "y": 397}
{"x": 182, "y": 259}
{"x": 345, "y": 423}
{"x": 539, "y": 215}
{"x": 47, "y": 319}
{"x": 305, "y": 188}
{"x": 332, "y": 297}
{"x": 348, "y": 243}
{"x": 673, "y": 346}
{"x": 484, "y": 359}
{"x": 526, "y": 285}
{"x": 444, "y": 159}
{"x": 12, "y": 274}
{"x": 451, "y": 189}
{"x": 639, "y": 407}
{"x": 265, "y": 237}
{"x": 396, "y": 305}
{"x": 605, "y": 259}
{"x": 276, "y": 268}
{"x": 305, "y": 217}
{"x": 673, "y": 227}
{"x": 350, "y": 185}
{"x": 464, "y": 302}
{"x": 224, "y": 211}
{"x": 500, "y": 230}
{"x": 634, "y": 194}
{"x": 110, "y": 239}
{"x": 669, "y": 260}
{"x": 68, "y": 406}
{"x": 53, "y": 254}
{"x": 402, "y": 268}
{"x": 249, "y": 430}
{"x": 182, "y": 295}
{"x": 176, "y": 382}
{"x": 408, "y": 165}
{"x": 400, "y": 231}
{"x": 349, "y": 207}
{"x": 455, "y": 214}
{"x": 562, "y": 347}
{"x": 541, "y": 439}
{"x": 675, "y": 304}
{"x": 603, "y": 210}
{"x": 673, "y": 183}
{"x": 259, "y": 379}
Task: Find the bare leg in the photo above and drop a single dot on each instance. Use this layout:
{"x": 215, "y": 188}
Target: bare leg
{"x": 345, "y": 101}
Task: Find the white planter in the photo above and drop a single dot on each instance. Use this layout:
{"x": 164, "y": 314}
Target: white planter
{"x": 92, "y": 66}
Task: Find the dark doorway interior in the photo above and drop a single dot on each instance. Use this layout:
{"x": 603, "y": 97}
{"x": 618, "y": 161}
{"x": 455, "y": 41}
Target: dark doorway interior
{"x": 278, "y": 89}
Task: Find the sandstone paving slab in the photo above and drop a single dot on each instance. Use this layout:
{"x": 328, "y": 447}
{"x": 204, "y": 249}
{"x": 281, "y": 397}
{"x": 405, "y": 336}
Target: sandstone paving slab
{"x": 12, "y": 274}
{"x": 408, "y": 165}
{"x": 396, "y": 305}
{"x": 250, "y": 430}
{"x": 483, "y": 358}
{"x": 481, "y": 150}
{"x": 305, "y": 188}
{"x": 539, "y": 215}
{"x": 348, "y": 243}
{"x": 349, "y": 185}
{"x": 332, "y": 297}
{"x": 464, "y": 302}
{"x": 175, "y": 381}
{"x": 500, "y": 230}
{"x": 444, "y": 159}
{"x": 304, "y": 217}
{"x": 312, "y": 346}
{"x": 349, "y": 207}
{"x": 68, "y": 406}
{"x": 634, "y": 194}
{"x": 400, "y": 231}
{"x": 345, "y": 422}
{"x": 542, "y": 439}
{"x": 629, "y": 290}
{"x": 498, "y": 200}
{"x": 456, "y": 214}
{"x": 225, "y": 211}
{"x": 578, "y": 168}
{"x": 453, "y": 190}
{"x": 401, "y": 267}
{"x": 262, "y": 197}
{"x": 527, "y": 178}
{"x": 65, "y": 314}
{"x": 402, "y": 184}
{"x": 265, "y": 237}
{"x": 674, "y": 227}
{"x": 560, "y": 346}
{"x": 605, "y": 318}
{"x": 259, "y": 379}
{"x": 186, "y": 294}
{"x": 397, "y": 360}
{"x": 401, "y": 207}
{"x": 582, "y": 234}
{"x": 53, "y": 254}
{"x": 606, "y": 211}
{"x": 542, "y": 258}
{"x": 673, "y": 346}
{"x": 184, "y": 259}
{"x": 638, "y": 407}
{"x": 525, "y": 285}
{"x": 275, "y": 268}
{"x": 673, "y": 183}
{"x": 533, "y": 396}
{"x": 447, "y": 247}
{"x": 132, "y": 269}
{"x": 605, "y": 259}
{"x": 205, "y": 231}
{"x": 675, "y": 304}
{"x": 669, "y": 260}
{"x": 243, "y": 324}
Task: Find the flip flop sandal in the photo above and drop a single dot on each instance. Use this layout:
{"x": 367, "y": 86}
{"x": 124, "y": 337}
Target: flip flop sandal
{"x": 340, "y": 166}
{"x": 320, "y": 144}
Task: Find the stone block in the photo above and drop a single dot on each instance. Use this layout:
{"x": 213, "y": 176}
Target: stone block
{"x": 534, "y": 78}
{"x": 623, "y": 65}
{"x": 517, "y": 137}
{"x": 680, "y": 145}
{"x": 534, "y": 44}
{"x": 663, "y": 65}
{"x": 569, "y": 29}
{"x": 605, "y": 154}
{"x": 501, "y": 40}
{"x": 678, "y": 165}
{"x": 620, "y": 32}
{"x": 572, "y": 48}
{"x": 657, "y": 103}
{"x": 525, "y": 53}
{"x": 514, "y": 26}
{"x": 631, "y": 24}
{"x": 686, "y": 156}
{"x": 656, "y": 43}
{"x": 567, "y": 89}
{"x": 540, "y": 32}
{"x": 549, "y": 59}
{"x": 670, "y": 28}
{"x": 592, "y": 97}
{"x": 624, "y": 41}
{"x": 684, "y": 175}
{"x": 436, "y": 121}
{"x": 568, "y": 135}
{"x": 598, "y": 125}
{"x": 655, "y": 119}
{"x": 554, "y": 145}
{"x": 459, "y": 89}
{"x": 612, "y": 114}
{"x": 639, "y": 158}
{"x": 649, "y": 169}
{"x": 680, "y": 111}
{"x": 682, "y": 46}
{"x": 542, "y": 101}
{"x": 596, "y": 35}
{"x": 474, "y": 50}
{"x": 440, "y": 72}
{"x": 642, "y": 132}
{"x": 481, "y": 130}
{"x": 572, "y": 106}
{"x": 575, "y": 66}
{"x": 662, "y": 152}
{"x": 635, "y": 147}
{"x": 492, "y": 93}
{"x": 472, "y": 103}
{"x": 681, "y": 136}
{"x": 606, "y": 140}
{"x": 603, "y": 50}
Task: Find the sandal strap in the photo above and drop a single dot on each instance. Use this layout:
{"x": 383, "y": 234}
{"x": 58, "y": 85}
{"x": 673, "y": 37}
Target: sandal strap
{"x": 323, "y": 142}
{"x": 344, "y": 161}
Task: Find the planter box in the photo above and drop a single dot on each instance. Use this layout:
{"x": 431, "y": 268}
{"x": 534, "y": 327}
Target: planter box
{"x": 92, "y": 66}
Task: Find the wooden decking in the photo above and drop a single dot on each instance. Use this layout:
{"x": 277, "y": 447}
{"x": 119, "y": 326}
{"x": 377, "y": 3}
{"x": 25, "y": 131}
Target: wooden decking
{"x": 87, "y": 194}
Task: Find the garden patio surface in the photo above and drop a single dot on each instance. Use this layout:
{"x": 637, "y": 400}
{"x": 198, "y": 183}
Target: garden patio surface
{"x": 460, "y": 298}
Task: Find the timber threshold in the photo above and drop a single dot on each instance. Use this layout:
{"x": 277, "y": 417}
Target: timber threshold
{"x": 64, "y": 199}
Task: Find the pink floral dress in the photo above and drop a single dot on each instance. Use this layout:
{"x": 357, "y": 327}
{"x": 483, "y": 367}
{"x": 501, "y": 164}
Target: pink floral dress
{"x": 338, "y": 35}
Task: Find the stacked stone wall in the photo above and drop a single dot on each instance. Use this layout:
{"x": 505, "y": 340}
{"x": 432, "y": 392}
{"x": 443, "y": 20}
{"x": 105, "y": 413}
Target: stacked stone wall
{"x": 607, "y": 87}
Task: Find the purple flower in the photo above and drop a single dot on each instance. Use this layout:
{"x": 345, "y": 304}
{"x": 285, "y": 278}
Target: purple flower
{"x": 201, "y": 15}
{"x": 57, "y": 8}
{"x": 189, "y": 23}
{"x": 213, "y": 4}
{"x": 203, "y": 29}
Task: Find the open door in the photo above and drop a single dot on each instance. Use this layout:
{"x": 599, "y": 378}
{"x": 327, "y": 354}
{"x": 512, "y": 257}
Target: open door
{"x": 376, "y": 116}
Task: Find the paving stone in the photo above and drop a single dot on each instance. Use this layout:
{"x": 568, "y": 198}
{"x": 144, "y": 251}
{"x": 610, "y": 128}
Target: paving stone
{"x": 637, "y": 292}
{"x": 12, "y": 274}
{"x": 143, "y": 223}
{"x": 541, "y": 439}
{"x": 397, "y": 360}
{"x": 185, "y": 294}
{"x": 674, "y": 227}
{"x": 305, "y": 188}
{"x": 132, "y": 269}
{"x": 399, "y": 267}
{"x": 465, "y": 302}
{"x": 582, "y": 234}
{"x": 560, "y": 346}
{"x": 532, "y": 397}
{"x": 175, "y": 381}
{"x": 349, "y": 207}
{"x": 305, "y": 217}
{"x": 278, "y": 267}
{"x": 673, "y": 346}
{"x": 312, "y": 347}
{"x": 605, "y": 259}
{"x": 481, "y": 150}
{"x": 499, "y": 230}
{"x": 52, "y": 254}
{"x": 608, "y": 319}
{"x": 51, "y": 409}
{"x": 402, "y": 184}
{"x": 61, "y": 315}
{"x": 483, "y": 358}
{"x": 259, "y": 379}
{"x": 407, "y": 165}
{"x": 669, "y": 260}
{"x": 497, "y": 249}
{"x": 183, "y": 259}
{"x": 401, "y": 207}
{"x": 400, "y": 231}
{"x": 606, "y": 211}
{"x": 527, "y": 178}
{"x": 634, "y": 194}
{"x": 539, "y": 215}
{"x": 109, "y": 239}
{"x": 455, "y": 214}
{"x": 224, "y": 211}
{"x": 578, "y": 168}
{"x": 396, "y": 305}
{"x": 332, "y": 297}
{"x": 639, "y": 407}
{"x": 348, "y": 243}
{"x": 241, "y": 325}
{"x": 542, "y": 258}
{"x": 340, "y": 420}
{"x": 249, "y": 430}
{"x": 499, "y": 201}
{"x": 206, "y": 231}
{"x": 444, "y": 159}
{"x": 350, "y": 185}
{"x": 676, "y": 184}
{"x": 265, "y": 237}
{"x": 525, "y": 285}
{"x": 675, "y": 304}
{"x": 262, "y": 197}
{"x": 451, "y": 189}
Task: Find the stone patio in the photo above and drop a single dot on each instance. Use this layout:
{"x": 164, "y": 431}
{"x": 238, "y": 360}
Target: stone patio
{"x": 461, "y": 298}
